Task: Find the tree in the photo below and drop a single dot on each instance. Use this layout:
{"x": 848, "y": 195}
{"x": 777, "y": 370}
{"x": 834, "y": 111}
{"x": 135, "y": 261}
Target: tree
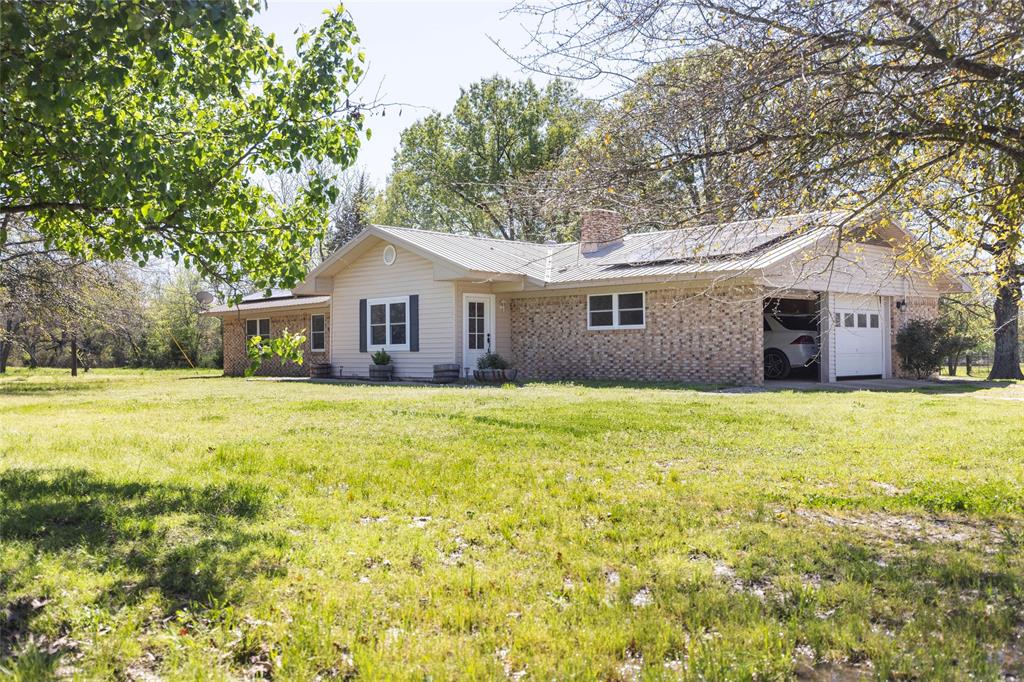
{"x": 645, "y": 159}
{"x": 968, "y": 322}
{"x": 135, "y": 130}
{"x": 350, "y": 213}
{"x": 60, "y": 309}
{"x": 470, "y": 171}
{"x": 177, "y": 336}
{"x": 872, "y": 103}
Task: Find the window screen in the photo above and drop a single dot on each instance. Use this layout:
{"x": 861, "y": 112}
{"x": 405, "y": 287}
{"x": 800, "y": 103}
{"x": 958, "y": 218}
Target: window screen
{"x": 317, "y": 333}
{"x": 389, "y": 323}
{"x": 260, "y": 328}
{"x": 611, "y": 311}
{"x": 602, "y": 312}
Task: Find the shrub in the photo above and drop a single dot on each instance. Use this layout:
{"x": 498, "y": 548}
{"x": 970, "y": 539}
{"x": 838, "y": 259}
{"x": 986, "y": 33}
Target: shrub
{"x": 381, "y": 357}
{"x": 491, "y": 360}
{"x": 922, "y": 345}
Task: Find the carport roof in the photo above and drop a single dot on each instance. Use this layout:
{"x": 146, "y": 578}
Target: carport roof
{"x": 279, "y": 300}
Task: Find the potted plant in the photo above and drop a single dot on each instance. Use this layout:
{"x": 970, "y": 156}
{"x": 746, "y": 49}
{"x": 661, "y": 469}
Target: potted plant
{"x": 491, "y": 368}
{"x": 381, "y": 369}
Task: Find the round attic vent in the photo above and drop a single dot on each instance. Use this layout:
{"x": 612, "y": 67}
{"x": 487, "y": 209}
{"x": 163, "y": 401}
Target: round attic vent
{"x": 390, "y": 255}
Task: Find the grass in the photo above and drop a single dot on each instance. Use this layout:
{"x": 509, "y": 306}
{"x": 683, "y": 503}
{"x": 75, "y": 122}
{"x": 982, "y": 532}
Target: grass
{"x": 167, "y": 524}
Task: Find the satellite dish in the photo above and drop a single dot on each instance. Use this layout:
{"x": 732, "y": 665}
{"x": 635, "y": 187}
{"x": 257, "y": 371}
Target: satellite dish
{"x": 204, "y": 297}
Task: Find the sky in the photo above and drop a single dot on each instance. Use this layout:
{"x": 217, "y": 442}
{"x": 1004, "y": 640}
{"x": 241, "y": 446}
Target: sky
{"x": 419, "y": 54}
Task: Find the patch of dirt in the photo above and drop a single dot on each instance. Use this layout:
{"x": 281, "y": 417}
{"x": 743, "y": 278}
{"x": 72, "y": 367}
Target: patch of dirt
{"x": 16, "y": 636}
{"x": 1010, "y": 658}
{"x": 889, "y": 489}
{"x": 420, "y": 521}
{"x": 632, "y": 666}
{"x": 643, "y": 597}
{"x": 807, "y": 667}
{"x": 725, "y": 573}
{"x": 506, "y": 665}
{"x": 454, "y": 557}
{"x": 144, "y": 669}
{"x": 907, "y": 528}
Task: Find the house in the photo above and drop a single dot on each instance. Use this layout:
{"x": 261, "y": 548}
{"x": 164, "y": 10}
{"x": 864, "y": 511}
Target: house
{"x": 676, "y": 305}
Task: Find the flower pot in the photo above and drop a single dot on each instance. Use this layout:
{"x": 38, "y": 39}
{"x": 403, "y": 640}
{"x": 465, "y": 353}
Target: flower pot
{"x": 495, "y": 376}
{"x": 381, "y": 372}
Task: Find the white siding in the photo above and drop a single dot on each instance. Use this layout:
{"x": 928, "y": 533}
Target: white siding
{"x": 369, "y": 277}
{"x": 857, "y": 269}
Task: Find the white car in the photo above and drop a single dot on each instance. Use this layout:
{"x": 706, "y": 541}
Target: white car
{"x": 789, "y": 341}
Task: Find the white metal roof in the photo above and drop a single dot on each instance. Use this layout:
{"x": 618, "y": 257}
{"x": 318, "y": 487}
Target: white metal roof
{"x": 737, "y": 248}
{"x": 694, "y": 250}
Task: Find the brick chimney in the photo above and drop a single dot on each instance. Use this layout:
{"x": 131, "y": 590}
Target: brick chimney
{"x": 600, "y": 228}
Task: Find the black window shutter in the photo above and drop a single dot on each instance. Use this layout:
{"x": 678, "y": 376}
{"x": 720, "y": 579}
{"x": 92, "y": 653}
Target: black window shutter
{"x": 414, "y": 322}
{"x": 362, "y": 325}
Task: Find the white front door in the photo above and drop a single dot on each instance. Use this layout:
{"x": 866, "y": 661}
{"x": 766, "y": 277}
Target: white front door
{"x": 857, "y": 321}
{"x": 477, "y": 328}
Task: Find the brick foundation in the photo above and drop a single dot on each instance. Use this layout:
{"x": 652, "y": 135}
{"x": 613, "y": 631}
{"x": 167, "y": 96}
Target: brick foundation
{"x": 713, "y": 337}
{"x": 235, "y": 359}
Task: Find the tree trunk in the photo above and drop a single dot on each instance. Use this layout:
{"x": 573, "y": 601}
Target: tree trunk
{"x": 967, "y": 364}
{"x": 6, "y": 344}
{"x": 74, "y": 356}
{"x": 1006, "y": 358}
{"x": 952, "y": 362}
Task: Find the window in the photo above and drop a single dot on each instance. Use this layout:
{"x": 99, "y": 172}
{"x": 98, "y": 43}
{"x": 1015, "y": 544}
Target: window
{"x": 862, "y": 319}
{"x": 475, "y": 322}
{"x": 874, "y": 320}
{"x": 615, "y": 311}
{"x": 260, "y": 328}
{"x": 317, "y": 333}
{"x": 389, "y": 323}
{"x": 847, "y": 319}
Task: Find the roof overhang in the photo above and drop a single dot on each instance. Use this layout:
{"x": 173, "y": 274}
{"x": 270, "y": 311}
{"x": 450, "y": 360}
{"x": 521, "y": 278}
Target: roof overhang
{"x": 269, "y": 307}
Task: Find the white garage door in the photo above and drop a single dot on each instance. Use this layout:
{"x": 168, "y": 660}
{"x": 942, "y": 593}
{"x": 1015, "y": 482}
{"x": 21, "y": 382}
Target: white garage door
{"x": 858, "y": 336}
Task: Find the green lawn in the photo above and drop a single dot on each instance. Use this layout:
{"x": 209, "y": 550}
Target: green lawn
{"x": 177, "y": 525}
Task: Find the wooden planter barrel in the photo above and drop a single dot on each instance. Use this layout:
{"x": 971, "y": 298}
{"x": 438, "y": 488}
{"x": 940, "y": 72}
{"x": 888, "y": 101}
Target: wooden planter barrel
{"x": 447, "y": 373}
{"x": 381, "y": 372}
{"x": 320, "y": 370}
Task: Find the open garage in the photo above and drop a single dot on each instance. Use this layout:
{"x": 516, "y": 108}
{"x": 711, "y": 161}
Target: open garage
{"x": 827, "y": 336}
{"x": 792, "y": 337}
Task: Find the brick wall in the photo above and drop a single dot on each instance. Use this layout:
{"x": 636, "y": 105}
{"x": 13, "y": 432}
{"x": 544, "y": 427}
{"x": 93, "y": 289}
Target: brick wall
{"x": 917, "y": 308}
{"x": 690, "y": 336}
{"x": 235, "y": 359}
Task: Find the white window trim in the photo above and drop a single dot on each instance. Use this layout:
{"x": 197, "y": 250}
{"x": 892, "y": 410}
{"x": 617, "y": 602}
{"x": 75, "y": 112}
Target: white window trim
{"x": 370, "y": 302}
{"x": 312, "y": 348}
{"x": 257, "y": 320}
{"x": 615, "y": 312}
